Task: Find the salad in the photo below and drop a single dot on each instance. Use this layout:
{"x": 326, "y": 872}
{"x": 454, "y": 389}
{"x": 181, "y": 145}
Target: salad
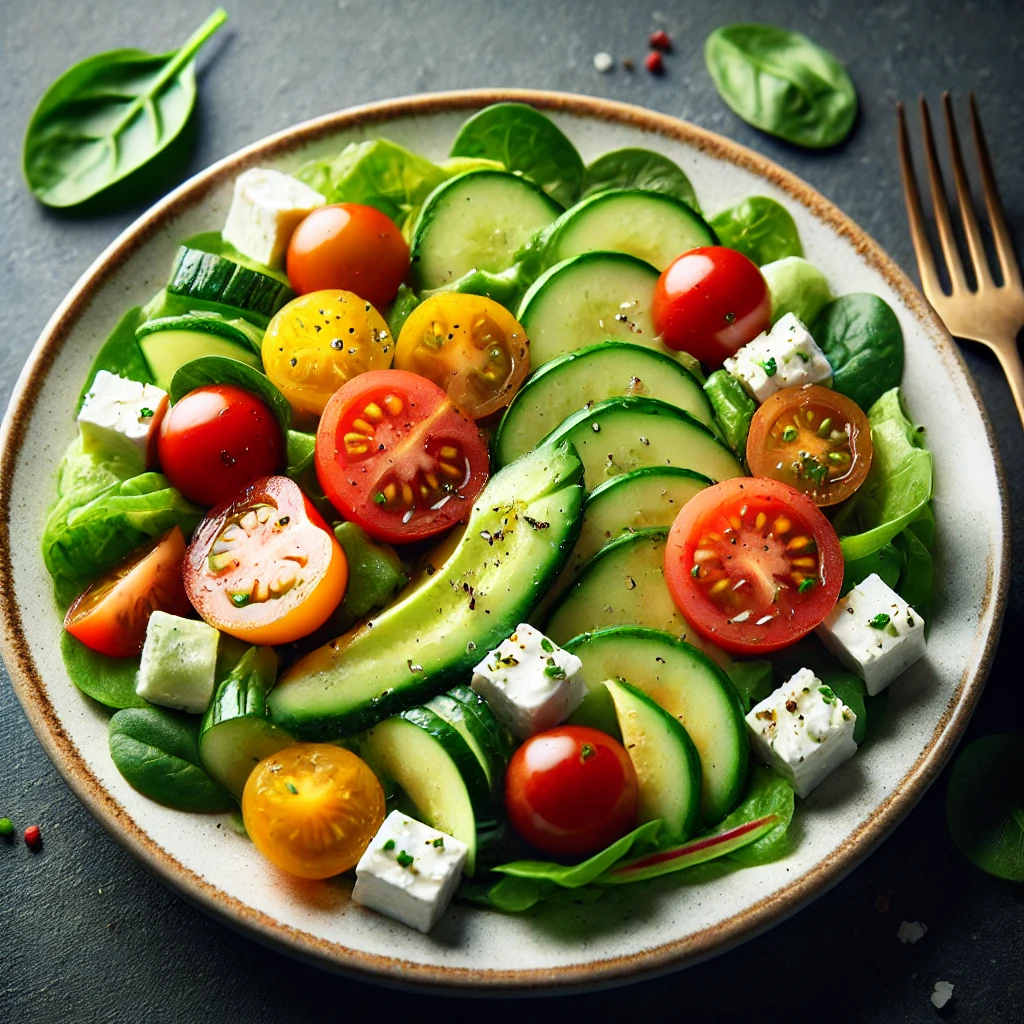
{"x": 501, "y": 529}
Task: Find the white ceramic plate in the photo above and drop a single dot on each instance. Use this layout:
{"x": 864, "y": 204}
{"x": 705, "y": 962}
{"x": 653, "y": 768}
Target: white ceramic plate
{"x": 633, "y": 935}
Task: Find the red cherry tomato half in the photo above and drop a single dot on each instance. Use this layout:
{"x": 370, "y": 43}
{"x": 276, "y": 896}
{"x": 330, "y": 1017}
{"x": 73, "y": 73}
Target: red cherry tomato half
{"x": 112, "y": 615}
{"x": 571, "y": 790}
{"x": 348, "y": 246}
{"x": 709, "y": 302}
{"x": 396, "y": 456}
{"x": 215, "y": 440}
{"x": 264, "y": 566}
{"x": 753, "y": 564}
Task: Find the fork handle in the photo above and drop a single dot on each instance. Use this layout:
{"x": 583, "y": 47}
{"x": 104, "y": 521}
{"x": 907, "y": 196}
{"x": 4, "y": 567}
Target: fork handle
{"x": 1009, "y": 359}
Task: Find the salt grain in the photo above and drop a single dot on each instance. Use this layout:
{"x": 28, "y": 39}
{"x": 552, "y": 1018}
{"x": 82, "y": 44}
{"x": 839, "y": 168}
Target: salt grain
{"x": 604, "y": 62}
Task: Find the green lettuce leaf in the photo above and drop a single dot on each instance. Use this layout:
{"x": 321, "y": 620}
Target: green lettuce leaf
{"x": 767, "y": 793}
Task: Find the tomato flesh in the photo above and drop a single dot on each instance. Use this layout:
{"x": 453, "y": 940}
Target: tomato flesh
{"x": 711, "y": 301}
{"x": 264, "y": 566}
{"x": 813, "y": 439}
{"x": 215, "y": 440}
{"x": 349, "y": 246}
{"x": 571, "y": 790}
{"x": 312, "y": 809}
{"x": 395, "y": 455}
{"x": 111, "y": 616}
{"x": 469, "y": 345}
{"x": 753, "y": 564}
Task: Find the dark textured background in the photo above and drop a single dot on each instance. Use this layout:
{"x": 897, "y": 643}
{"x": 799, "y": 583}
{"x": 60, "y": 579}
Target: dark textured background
{"x": 85, "y": 933}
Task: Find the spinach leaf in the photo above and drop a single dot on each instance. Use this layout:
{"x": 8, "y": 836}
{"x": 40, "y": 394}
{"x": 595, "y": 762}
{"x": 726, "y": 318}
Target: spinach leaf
{"x": 111, "y": 681}
{"x": 985, "y": 805}
{"x": 924, "y": 526}
{"x": 299, "y": 451}
{"x": 108, "y": 116}
{"x": 850, "y": 689}
{"x": 782, "y": 83}
{"x": 524, "y": 140}
{"x": 918, "y": 572}
{"x": 863, "y": 342}
{"x": 120, "y": 354}
{"x": 733, "y": 407}
{"x": 197, "y": 373}
{"x": 754, "y": 680}
{"x": 157, "y": 751}
{"x": 797, "y": 287}
{"x": 898, "y": 486}
{"x": 638, "y": 168}
{"x": 886, "y": 561}
{"x": 767, "y": 793}
{"x": 760, "y": 228}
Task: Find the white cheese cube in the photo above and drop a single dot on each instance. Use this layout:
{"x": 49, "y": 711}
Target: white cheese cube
{"x": 179, "y": 663}
{"x": 118, "y": 417}
{"x": 803, "y": 730}
{"x": 530, "y": 683}
{"x": 409, "y": 872}
{"x": 785, "y": 357}
{"x": 265, "y": 211}
{"x": 874, "y": 632}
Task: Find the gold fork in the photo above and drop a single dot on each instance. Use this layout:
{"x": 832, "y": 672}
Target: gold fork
{"x": 990, "y": 313}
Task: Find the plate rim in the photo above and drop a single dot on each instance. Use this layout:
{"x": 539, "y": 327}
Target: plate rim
{"x": 31, "y": 691}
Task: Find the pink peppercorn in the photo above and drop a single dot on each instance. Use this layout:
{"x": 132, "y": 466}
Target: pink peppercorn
{"x": 654, "y": 63}
{"x": 33, "y": 838}
{"x": 660, "y": 41}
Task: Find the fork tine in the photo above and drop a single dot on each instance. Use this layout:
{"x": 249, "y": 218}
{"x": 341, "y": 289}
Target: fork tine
{"x": 1000, "y": 232}
{"x": 941, "y": 207}
{"x": 963, "y": 195}
{"x": 918, "y": 234}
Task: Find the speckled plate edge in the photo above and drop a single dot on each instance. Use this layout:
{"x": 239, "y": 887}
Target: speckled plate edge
{"x": 62, "y": 752}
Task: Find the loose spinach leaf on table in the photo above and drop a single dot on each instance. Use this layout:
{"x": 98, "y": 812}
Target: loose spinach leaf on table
{"x": 638, "y": 168}
{"x": 985, "y": 805}
{"x": 120, "y": 354}
{"x": 733, "y": 407}
{"x": 197, "y": 373}
{"x": 898, "y": 486}
{"x": 111, "y": 681}
{"x": 524, "y": 140}
{"x": 108, "y": 116}
{"x": 760, "y": 228}
{"x": 782, "y": 83}
{"x": 797, "y": 286}
{"x": 157, "y": 752}
{"x": 863, "y": 342}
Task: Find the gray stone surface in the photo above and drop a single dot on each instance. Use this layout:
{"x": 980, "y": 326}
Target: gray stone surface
{"x": 86, "y": 934}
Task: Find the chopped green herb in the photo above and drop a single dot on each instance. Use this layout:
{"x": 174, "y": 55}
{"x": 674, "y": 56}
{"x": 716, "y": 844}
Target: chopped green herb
{"x": 770, "y": 366}
{"x": 806, "y": 584}
{"x": 389, "y": 845}
{"x": 586, "y": 751}
{"x": 546, "y": 644}
{"x": 730, "y": 318}
{"x": 239, "y": 599}
{"x": 695, "y": 571}
{"x": 509, "y": 660}
{"x": 404, "y": 859}
{"x": 439, "y": 842}
{"x": 555, "y": 671}
{"x": 880, "y": 621}
{"x": 827, "y": 694}
{"x": 292, "y": 789}
{"x": 379, "y": 499}
{"x": 145, "y": 412}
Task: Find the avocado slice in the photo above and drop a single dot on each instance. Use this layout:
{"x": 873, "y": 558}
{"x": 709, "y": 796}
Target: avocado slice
{"x": 516, "y": 542}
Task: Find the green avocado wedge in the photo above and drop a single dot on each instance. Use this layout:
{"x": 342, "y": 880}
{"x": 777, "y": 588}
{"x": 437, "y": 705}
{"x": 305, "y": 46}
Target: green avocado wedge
{"x": 516, "y": 541}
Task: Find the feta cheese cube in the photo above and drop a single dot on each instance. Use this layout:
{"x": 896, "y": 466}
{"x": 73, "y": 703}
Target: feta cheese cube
{"x": 785, "y": 357}
{"x": 803, "y": 730}
{"x": 409, "y": 871}
{"x": 118, "y": 416}
{"x": 874, "y": 632}
{"x": 530, "y": 683}
{"x": 265, "y": 211}
{"x": 179, "y": 663}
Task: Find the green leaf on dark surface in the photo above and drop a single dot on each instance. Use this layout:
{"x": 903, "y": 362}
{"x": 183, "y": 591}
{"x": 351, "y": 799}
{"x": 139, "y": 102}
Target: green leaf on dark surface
{"x": 863, "y": 342}
{"x": 108, "y": 116}
{"x": 111, "y": 681}
{"x": 120, "y": 354}
{"x": 205, "y": 370}
{"x": 760, "y": 228}
{"x": 527, "y": 142}
{"x": 782, "y": 83}
{"x": 157, "y": 752}
{"x": 638, "y": 168}
{"x": 985, "y": 805}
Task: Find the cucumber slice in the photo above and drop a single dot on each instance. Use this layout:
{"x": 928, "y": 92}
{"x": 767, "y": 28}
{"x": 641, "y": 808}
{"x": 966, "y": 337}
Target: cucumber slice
{"x": 690, "y": 687}
{"x": 622, "y": 434}
{"x": 622, "y": 585}
{"x": 581, "y": 378}
{"x": 207, "y": 269}
{"x": 476, "y": 221}
{"x": 652, "y": 226}
{"x": 666, "y": 762}
{"x": 439, "y": 773}
{"x": 478, "y": 738}
{"x": 599, "y": 296}
{"x": 236, "y": 735}
{"x": 514, "y": 545}
{"x": 474, "y": 703}
{"x": 170, "y": 342}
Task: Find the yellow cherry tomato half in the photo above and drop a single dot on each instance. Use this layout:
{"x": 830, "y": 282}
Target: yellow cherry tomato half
{"x": 319, "y": 341}
{"x": 312, "y": 809}
{"x": 469, "y": 345}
